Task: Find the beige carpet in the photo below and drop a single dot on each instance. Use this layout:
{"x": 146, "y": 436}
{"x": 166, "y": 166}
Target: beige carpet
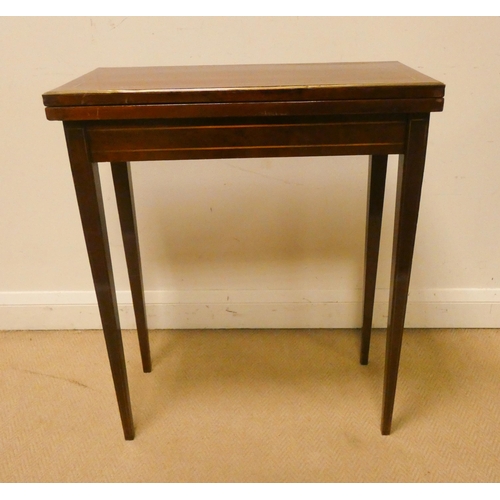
{"x": 250, "y": 406}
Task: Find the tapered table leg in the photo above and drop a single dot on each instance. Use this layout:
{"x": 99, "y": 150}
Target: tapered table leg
{"x": 376, "y": 189}
{"x": 126, "y": 210}
{"x": 410, "y": 177}
{"x": 89, "y": 196}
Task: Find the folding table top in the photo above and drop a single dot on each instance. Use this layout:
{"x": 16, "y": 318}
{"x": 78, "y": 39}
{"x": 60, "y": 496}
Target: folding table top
{"x": 245, "y": 83}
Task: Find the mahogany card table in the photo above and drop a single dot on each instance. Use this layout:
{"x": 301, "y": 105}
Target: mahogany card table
{"x": 122, "y": 115}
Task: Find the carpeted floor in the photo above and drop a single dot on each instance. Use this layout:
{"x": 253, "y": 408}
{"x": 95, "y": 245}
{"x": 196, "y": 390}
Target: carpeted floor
{"x": 250, "y": 406}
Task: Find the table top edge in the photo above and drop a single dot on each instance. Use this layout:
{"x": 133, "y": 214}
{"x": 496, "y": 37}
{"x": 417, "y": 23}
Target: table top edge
{"x": 243, "y": 83}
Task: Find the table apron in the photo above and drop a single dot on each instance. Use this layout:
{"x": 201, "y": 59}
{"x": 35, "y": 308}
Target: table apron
{"x": 129, "y": 141}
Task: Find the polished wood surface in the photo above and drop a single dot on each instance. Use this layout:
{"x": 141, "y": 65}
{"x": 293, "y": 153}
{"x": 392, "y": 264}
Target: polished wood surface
{"x": 120, "y": 115}
{"x": 245, "y": 83}
{"x": 376, "y": 188}
{"x": 249, "y": 90}
{"x": 122, "y": 180}
{"x": 89, "y": 197}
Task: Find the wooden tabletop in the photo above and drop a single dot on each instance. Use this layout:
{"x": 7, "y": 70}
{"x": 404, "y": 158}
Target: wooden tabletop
{"x": 245, "y": 83}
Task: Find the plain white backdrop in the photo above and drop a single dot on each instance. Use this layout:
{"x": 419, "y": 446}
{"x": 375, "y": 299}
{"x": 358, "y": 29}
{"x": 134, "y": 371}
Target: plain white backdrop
{"x": 251, "y": 243}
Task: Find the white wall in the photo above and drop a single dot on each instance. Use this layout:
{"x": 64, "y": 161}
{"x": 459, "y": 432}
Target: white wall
{"x": 248, "y": 243}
